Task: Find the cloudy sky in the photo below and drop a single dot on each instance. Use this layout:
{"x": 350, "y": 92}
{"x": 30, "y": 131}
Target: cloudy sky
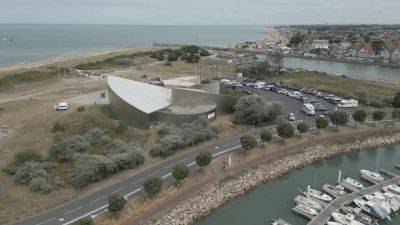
{"x": 200, "y": 12}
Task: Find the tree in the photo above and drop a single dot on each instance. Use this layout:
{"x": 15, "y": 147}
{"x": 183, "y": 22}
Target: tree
{"x": 248, "y": 142}
{"x": 396, "y": 114}
{"x": 321, "y": 122}
{"x": 180, "y": 172}
{"x": 285, "y": 130}
{"x": 204, "y": 158}
{"x": 302, "y": 127}
{"x": 116, "y": 203}
{"x": 339, "y": 118}
{"x": 396, "y": 100}
{"x": 378, "y": 116}
{"x": 153, "y": 186}
{"x": 255, "y": 110}
{"x": 265, "y": 136}
{"x": 84, "y": 221}
{"x": 359, "y": 116}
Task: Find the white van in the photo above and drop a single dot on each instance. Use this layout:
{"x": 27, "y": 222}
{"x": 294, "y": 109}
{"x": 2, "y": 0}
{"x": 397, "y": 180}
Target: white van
{"x": 297, "y": 94}
{"x": 61, "y": 106}
{"x": 309, "y": 109}
{"x": 351, "y": 103}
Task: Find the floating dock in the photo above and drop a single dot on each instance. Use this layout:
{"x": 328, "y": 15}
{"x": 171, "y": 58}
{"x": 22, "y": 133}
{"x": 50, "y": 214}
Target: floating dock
{"x": 324, "y": 216}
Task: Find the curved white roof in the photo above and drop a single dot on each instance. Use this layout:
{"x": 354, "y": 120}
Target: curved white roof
{"x": 183, "y": 81}
{"x": 145, "y": 97}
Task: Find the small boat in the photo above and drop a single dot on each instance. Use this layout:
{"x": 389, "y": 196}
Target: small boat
{"x": 394, "y": 188}
{"x": 308, "y": 202}
{"x": 383, "y": 205}
{"x": 279, "y": 222}
{"x": 372, "y": 175}
{"x": 333, "y": 223}
{"x": 317, "y": 194}
{"x": 354, "y": 183}
{"x": 377, "y": 211}
{"x": 306, "y": 209}
{"x": 337, "y": 190}
{"x": 345, "y": 219}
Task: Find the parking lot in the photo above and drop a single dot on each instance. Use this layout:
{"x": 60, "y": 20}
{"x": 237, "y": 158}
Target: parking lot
{"x": 292, "y": 105}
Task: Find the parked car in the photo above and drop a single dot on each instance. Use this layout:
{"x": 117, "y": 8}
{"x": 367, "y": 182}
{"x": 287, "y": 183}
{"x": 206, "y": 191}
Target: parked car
{"x": 319, "y": 107}
{"x": 291, "y": 117}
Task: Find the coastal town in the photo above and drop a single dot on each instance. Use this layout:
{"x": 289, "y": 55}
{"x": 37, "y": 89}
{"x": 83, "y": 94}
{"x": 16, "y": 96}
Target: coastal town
{"x": 370, "y": 44}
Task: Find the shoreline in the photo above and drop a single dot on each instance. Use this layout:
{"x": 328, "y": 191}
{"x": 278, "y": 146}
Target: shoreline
{"x": 67, "y": 59}
{"x": 205, "y": 202}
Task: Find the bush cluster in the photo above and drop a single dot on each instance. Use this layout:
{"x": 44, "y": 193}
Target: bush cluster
{"x": 255, "y": 110}
{"x": 187, "y": 134}
{"x": 66, "y": 149}
{"x": 366, "y": 99}
{"x": 91, "y": 167}
{"x": 35, "y": 175}
{"x": 190, "y": 54}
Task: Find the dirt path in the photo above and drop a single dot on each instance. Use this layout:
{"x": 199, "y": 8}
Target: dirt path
{"x": 269, "y": 155}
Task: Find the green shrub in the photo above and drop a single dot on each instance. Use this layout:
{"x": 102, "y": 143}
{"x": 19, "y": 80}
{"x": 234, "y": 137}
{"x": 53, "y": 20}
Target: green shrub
{"x": 67, "y": 148}
{"x": 255, "y": 110}
{"x": 31, "y": 170}
{"x": 266, "y": 136}
{"x": 153, "y": 186}
{"x": 41, "y": 185}
{"x": 116, "y": 203}
{"x": 204, "y": 158}
{"x": 94, "y": 135}
{"x": 84, "y": 221}
{"x": 180, "y": 172}
{"x": 248, "y": 142}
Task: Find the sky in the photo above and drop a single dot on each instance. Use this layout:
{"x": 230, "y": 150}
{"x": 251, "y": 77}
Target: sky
{"x": 200, "y": 12}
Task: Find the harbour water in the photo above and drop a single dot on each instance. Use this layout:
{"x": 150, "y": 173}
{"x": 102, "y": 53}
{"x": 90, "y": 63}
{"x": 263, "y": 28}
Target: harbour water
{"x": 40, "y": 42}
{"x": 275, "y": 199}
{"x": 375, "y": 72}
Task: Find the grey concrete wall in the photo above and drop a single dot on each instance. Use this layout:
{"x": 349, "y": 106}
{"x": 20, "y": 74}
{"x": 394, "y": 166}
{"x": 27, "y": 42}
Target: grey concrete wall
{"x": 212, "y": 87}
{"x": 187, "y": 97}
{"x": 128, "y": 113}
{"x": 182, "y": 118}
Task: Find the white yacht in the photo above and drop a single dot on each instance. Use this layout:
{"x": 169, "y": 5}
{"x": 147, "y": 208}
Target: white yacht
{"x": 307, "y": 209}
{"x": 393, "y": 200}
{"x": 382, "y": 205}
{"x": 333, "y": 223}
{"x": 383, "y": 198}
{"x": 336, "y": 190}
{"x": 394, "y": 188}
{"x": 372, "y": 175}
{"x": 354, "y": 183}
{"x": 317, "y": 194}
{"x": 308, "y": 202}
{"x": 347, "y": 219}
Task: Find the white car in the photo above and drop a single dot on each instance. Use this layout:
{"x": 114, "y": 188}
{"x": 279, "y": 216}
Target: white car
{"x": 291, "y": 117}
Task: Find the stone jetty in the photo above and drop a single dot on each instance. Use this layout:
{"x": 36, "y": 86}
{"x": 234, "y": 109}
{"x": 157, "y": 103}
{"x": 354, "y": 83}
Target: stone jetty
{"x": 208, "y": 200}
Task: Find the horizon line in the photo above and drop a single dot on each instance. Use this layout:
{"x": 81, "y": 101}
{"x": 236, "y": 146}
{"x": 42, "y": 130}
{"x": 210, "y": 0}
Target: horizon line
{"x": 267, "y": 25}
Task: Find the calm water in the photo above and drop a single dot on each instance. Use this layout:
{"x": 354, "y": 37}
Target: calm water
{"x": 40, "y": 42}
{"x": 338, "y": 68}
{"x": 275, "y": 200}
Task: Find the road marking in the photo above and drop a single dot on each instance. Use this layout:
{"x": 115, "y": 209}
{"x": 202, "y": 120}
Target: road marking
{"x": 167, "y": 175}
{"x": 94, "y": 215}
{"x": 46, "y": 221}
{"x": 119, "y": 189}
{"x": 60, "y": 219}
{"x": 219, "y": 153}
{"x": 191, "y": 164}
{"x": 132, "y": 193}
{"x": 85, "y": 215}
{"x": 134, "y": 182}
{"x": 97, "y": 199}
{"x": 154, "y": 173}
{"x": 71, "y": 211}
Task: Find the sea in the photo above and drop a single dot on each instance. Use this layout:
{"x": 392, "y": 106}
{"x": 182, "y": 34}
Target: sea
{"x": 24, "y": 43}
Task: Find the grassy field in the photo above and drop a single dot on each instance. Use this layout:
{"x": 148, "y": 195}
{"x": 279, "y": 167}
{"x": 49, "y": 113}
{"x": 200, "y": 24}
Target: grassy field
{"x": 339, "y": 85}
{"x": 24, "y": 77}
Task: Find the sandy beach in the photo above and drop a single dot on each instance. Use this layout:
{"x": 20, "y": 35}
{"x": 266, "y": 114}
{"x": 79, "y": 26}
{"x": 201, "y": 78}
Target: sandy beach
{"x": 71, "y": 60}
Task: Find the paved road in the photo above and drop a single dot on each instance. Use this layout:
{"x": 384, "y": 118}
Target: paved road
{"x": 96, "y": 203}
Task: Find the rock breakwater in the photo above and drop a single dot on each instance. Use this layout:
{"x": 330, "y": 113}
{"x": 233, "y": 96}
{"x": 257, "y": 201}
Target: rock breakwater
{"x": 208, "y": 200}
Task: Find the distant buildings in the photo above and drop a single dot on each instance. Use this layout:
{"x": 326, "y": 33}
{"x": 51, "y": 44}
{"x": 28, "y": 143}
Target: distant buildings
{"x": 320, "y": 44}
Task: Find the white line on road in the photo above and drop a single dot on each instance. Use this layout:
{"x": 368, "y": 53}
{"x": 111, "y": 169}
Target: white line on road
{"x": 94, "y": 215}
{"x": 134, "y": 182}
{"x": 119, "y": 189}
{"x": 191, "y": 164}
{"x": 85, "y": 215}
{"x": 46, "y": 221}
{"x": 132, "y": 193}
{"x": 167, "y": 175}
{"x": 71, "y": 211}
{"x": 219, "y": 153}
{"x": 97, "y": 199}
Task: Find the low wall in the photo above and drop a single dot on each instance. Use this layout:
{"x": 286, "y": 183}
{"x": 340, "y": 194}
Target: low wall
{"x": 207, "y": 201}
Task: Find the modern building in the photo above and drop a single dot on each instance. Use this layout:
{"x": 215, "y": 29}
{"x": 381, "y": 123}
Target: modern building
{"x": 143, "y": 105}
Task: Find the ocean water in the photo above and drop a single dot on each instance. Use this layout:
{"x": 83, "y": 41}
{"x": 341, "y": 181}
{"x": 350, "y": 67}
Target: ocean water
{"x": 40, "y": 42}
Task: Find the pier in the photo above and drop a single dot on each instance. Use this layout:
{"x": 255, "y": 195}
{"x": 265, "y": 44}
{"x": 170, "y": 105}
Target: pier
{"x": 324, "y": 216}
